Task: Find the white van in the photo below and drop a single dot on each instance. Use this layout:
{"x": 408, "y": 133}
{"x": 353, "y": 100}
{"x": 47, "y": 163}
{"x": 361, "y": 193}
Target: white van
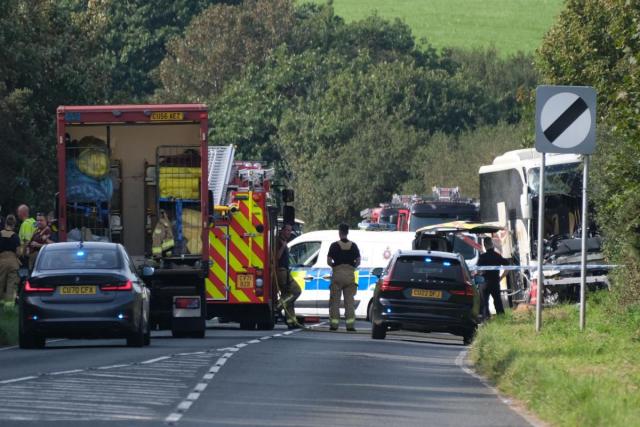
{"x": 309, "y": 268}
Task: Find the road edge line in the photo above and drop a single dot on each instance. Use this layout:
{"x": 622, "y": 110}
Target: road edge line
{"x": 513, "y": 404}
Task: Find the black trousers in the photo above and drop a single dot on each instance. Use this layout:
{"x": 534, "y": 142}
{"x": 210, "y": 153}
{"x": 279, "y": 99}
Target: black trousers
{"x": 493, "y": 290}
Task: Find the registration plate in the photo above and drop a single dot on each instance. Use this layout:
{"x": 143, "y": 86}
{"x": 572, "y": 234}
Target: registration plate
{"x": 166, "y": 116}
{"x": 245, "y": 281}
{"x": 77, "y": 290}
{"x": 424, "y": 293}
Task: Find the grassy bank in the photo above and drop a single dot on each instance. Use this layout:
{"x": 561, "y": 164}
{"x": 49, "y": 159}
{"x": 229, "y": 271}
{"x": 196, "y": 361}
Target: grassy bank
{"x": 567, "y": 377}
{"x": 509, "y": 25}
{"x": 8, "y": 326}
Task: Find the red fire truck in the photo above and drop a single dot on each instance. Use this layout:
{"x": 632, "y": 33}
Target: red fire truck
{"x": 197, "y": 224}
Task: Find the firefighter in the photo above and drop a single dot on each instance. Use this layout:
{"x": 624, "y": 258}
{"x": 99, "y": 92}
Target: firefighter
{"x": 289, "y": 289}
{"x": 9, "y": 264}
{"x": 163, "y": 241}
{"x": 344, "y": 258}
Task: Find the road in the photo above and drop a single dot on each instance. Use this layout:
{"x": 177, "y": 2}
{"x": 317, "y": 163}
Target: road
{"x": 249, "y": 378}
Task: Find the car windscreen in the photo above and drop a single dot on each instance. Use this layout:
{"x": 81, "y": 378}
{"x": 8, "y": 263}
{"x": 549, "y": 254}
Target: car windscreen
{"x": 420, "y": 269}
{"x": 79, "y": 258}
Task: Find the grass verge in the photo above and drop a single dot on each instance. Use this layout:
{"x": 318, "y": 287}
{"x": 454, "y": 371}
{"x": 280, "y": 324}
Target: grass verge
{"x": 8, "y": 325}
{"x": 567, "y": 377}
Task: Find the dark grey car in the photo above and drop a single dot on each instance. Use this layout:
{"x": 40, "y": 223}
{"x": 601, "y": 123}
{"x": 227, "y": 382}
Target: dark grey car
{"x": 426, "y": 291}
{"x": 83, "y": 290}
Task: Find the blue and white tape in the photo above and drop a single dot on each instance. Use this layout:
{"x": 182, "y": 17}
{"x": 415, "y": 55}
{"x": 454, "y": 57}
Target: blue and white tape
{"x": 550, "y": 267}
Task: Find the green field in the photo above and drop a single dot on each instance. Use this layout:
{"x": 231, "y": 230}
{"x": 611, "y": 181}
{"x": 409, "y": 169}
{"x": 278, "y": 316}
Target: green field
{"x": 509, "y": 25}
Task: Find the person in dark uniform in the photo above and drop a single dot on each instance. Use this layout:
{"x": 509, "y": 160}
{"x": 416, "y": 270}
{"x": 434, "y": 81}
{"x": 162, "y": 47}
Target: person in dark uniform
{"x": 491, "y": 286}
{"x": 343, "y": 258}
{"x": 289, "y": 289}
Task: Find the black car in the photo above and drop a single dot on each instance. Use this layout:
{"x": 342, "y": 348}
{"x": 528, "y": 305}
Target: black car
{"x": 83, "y": 290}
{"x": 425, "y": 291}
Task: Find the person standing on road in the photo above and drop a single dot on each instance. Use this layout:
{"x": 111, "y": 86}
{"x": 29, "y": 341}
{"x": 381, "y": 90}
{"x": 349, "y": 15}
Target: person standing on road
{"x": 41, "y": 237}
{"x": 343, "y": 258}
{"x": 492, "y": 279}
{"x": 27, "y": 228}
{"x": 9, "y": 264}
{"x": 289, "y": 289}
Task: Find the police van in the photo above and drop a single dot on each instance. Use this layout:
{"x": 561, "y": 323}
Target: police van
{"x": 309, "y": 268}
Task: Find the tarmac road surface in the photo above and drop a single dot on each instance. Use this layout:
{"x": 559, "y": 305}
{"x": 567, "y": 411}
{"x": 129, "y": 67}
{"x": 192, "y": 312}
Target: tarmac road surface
{"x": 249, "y": 378}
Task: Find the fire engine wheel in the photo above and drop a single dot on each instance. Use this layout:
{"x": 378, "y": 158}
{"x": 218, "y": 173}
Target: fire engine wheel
{"x": 248, "y": 325}
{"x": 267, "y": 325}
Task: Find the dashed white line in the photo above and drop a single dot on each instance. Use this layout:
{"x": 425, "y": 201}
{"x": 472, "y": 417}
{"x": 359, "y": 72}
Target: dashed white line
{"x": 241, "y": 345}
{"x": 184, "y": 405}
{"x": 193, "y": 396}
{"x": 221, "y": 361}
{"x": 200, "y": 387}
{"x": 214, "y": 369}
{"x": 265, "y": 338}
{"x": 253, "y": 342}
{"x": 173, "y": 418}
{"x": 208, "y": 377}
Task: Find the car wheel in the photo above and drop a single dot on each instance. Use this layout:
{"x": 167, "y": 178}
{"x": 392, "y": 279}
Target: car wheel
{"x": 378, "y": 332}
{"x": 370, "y": 311}
{"x": 137, "y": 338}
{"x": 147, "y": 336}
{"x": 29, "y": 341}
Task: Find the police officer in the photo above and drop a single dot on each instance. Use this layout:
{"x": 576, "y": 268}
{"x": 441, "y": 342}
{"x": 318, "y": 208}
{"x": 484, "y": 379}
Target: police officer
{"x": 9, "y": 264}
{"x": 343, "y": 258}
{"x": 289, "y": 289}
{"x": 491, "y": 286}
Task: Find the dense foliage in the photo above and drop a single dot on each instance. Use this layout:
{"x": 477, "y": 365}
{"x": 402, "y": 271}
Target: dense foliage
{"x": 595, "y": 42}
{"x": 351, "y": 112}
{"x": 343, "y": 106}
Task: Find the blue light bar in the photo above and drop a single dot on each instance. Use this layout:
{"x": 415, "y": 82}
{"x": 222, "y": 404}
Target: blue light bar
{"x": 428, "y": 260}
{"x": 446, "y": 264}
{"x": 80, "y": 253}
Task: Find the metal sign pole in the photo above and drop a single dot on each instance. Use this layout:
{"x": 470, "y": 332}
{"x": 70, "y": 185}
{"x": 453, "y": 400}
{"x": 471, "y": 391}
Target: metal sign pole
{"x": 540, "y": 244}
{"x": 585, "y": 229}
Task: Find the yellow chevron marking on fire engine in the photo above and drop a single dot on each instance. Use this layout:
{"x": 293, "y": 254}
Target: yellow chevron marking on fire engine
{"x": 213, "y": 291}
{"x": 240, "y": 296}
{"x": 220, "y": 248}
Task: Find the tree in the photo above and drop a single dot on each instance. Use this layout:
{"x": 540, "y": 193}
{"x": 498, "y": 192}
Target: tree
{"x": 219, "y": 43}
{"x": 595, "y": 42}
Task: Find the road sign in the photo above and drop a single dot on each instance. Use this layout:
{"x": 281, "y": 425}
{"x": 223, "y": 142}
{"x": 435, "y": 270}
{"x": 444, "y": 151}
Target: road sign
{"x": 565, "y": 119}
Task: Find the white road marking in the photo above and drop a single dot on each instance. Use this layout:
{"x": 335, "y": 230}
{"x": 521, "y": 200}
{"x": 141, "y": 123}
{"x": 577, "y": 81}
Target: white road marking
{"x": 227, "y": 355}
{"x": 208, "y": 377}
{"x": 173, "y": 418}
{"x": 265, "y": 338}
{"x": 241, "y": 345}
{"x": 157, "y": 359}
{"x": 114, "y": 366}
{"x": 214, "y": 369}
{"x": 221, "y": 361}
{"x": 253, "y": 342}
{"x": 193, "y": 396}
{"x": 200, "y": 387}
{"x": 461, "y": 362}
{"x": 15, "y": 380}
{"x": 72, "y": 371}
{"x": 184, "y": 405}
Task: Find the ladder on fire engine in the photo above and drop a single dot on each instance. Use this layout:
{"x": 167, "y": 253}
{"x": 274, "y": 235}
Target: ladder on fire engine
{"x": 220, "y": 168}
